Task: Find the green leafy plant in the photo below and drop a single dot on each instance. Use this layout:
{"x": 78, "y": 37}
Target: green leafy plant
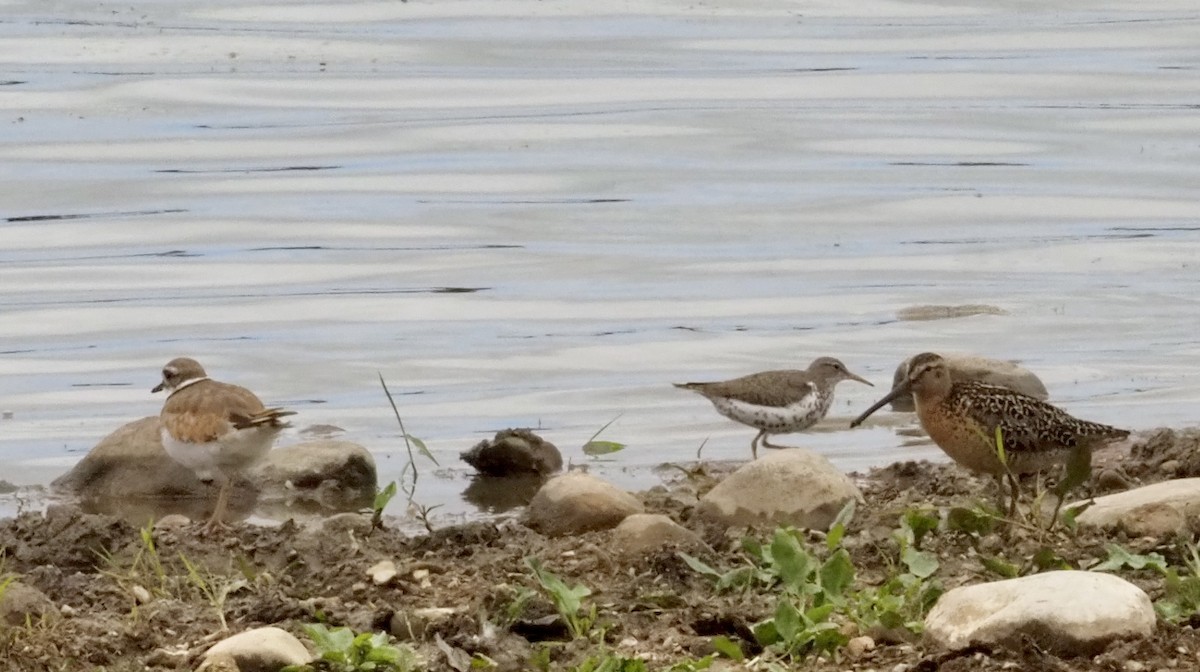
{"x": 899, "y": 604}
{"x": 408, "y": 475}
{"x": 340, "y": 650}
{"x": 594, "y": 448}
{"x": 567, "y": 600}
{"x": 382, "y": 498}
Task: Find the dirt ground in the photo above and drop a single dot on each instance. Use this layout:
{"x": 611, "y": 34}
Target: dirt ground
{"x": 125, "y": 600}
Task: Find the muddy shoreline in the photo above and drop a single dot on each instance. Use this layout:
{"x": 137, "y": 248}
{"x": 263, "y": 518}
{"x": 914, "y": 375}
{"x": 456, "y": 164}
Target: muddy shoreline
{"x": 125, "y": 599}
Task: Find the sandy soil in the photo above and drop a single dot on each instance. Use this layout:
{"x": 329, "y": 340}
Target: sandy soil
{"x": 123, "y": 607}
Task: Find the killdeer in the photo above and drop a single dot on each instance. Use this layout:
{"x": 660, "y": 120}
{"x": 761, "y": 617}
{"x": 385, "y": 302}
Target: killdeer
{"x": 777, "y": 402}
{"x": 215, "y": 429}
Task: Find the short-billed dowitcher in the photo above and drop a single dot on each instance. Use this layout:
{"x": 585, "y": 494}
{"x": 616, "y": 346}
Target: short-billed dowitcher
{"x": 962, "y": 417}
{"x": 777, "y": 402}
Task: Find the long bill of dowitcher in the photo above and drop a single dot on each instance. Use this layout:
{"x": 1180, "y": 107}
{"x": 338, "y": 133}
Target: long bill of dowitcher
{"x": 904, "y": 386}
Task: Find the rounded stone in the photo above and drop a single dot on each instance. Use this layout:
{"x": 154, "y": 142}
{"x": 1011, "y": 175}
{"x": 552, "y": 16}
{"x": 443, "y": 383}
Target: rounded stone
{"x": 642, "y": 532}
{"x": 1070, "y": 613}
{"x": 512, "y": 452}
{"x": 577, "y": 502}
{"x": 789, "y": 487}
{"x": 1156, "y": 510}
{"x": 20, "y": 602}
{"x": 260, "y": 650}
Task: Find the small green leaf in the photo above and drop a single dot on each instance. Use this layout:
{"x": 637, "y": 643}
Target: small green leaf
{"x": 921, "y": 564}
{"x": 698, "y": 565}
{"x": 969, "y": 521}
{"x": 788, "y": 620}
{"x": 728, "y": 648}
{"x": 792, "y": 562}
{"x": 837, "y": 530}
{"x": 765, "y": 633}
{"x": 595, "y": 448}
{"x": 837, "y": 573}
{"x": 920, "y": 523}
{"x": 1000, "y": 566}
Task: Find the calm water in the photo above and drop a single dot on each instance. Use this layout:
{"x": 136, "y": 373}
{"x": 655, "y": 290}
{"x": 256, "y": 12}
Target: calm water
{"x": 542, "y": 213}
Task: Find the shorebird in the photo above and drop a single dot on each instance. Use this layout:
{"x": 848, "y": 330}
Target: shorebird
{"x": 777, "y": 402}
{"x": 962, "y": 418}
{"x": 215, "y": 429}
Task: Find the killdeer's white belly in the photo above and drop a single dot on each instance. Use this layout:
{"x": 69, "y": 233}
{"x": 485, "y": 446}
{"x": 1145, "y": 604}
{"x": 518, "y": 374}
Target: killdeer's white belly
{"x": 794, "y": 417}
{"x": 231, "y": 453}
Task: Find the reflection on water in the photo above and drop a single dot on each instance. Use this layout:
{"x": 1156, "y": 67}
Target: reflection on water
{"x": 498, "y": 494}
{"x": 528, "y": 214}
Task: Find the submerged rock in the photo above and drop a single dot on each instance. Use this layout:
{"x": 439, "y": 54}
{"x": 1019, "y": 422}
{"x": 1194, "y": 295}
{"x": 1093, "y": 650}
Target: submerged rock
{"x": 789, "y": 487}
{"x": 1157, "y": 510}
{"x": 1068, "y": 612}
{"x": 983, "y": 369}
{"x": 130, "y": 470}
{"x": 131, "y": 463}
{"x": 337, "y": 474}
{"x": 513, "y": 452}
{"x": 576, "y": 502}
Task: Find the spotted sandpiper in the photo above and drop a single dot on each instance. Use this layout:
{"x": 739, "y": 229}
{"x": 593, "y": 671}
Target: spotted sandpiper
{"x": 962, "y": 416}
{"x": 777, "y": 402}
{"x": 215, "y": 429}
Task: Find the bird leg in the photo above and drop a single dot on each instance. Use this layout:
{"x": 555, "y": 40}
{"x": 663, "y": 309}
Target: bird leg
{"x": 1014, "y": 494}
{"x": 215, "y": 523}
{"x": 767, "y": 444}
{"x": 754, "y": 444}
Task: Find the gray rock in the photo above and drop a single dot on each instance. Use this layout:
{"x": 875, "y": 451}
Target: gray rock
{"x": 512, "y": 452}
{"x": 19, "y": 601}
{"x": 1157, "y": 510}
{"x": 1069, "y": 613}
{"x": 259, "y": 650}
{"x": 576, "y": 502}
{"x": 787, "y": 487}
{"x": 337, "y": 474}
{"x": 984, "y": 369}
{"x": 642, "y": 532}
{"x": 129, "y": 473}
{"x": 131, "y": 463}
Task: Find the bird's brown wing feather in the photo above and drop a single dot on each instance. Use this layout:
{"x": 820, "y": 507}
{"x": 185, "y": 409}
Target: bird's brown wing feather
{"x": 203, "y": 411}
{"x": 1028, "y": 424}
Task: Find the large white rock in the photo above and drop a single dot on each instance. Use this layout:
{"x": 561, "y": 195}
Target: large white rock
{"x": 984, "y": 369}
{"x": 263, "y": 649}
{"x": 577, "y": 502}
{"x": 1156, "y": 510}
{"x": 789, "y": 487}
{"x": 1068, "y": 612}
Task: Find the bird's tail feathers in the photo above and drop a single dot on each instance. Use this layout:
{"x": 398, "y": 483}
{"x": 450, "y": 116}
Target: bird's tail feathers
{"x": 268, "y": 417}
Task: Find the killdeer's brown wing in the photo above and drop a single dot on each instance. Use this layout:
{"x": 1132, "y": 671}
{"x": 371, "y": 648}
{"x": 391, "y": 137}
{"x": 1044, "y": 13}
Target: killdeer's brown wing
{"x": 1027, "y": 424}
{"x": 204, "y": 411}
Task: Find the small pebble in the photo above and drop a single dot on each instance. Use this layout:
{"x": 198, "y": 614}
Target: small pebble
{"x": 857, "y": 646}
{"x": 901, "y": 667}
{"x": 140, "y": 594}
{"x": 1134, "y": 666}
{"x": 382, "y": 572}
